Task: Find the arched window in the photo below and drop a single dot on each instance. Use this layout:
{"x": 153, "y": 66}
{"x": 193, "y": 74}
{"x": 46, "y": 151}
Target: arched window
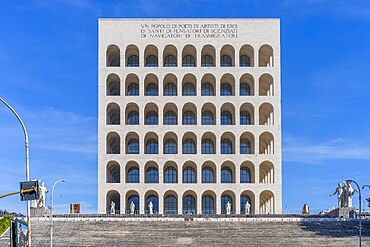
{"x": 151, "y": 89}
{"x": 243, "y": 200}
{"x": 113, "y": 143}
{"x": 151, "y": 61}
{"x": 207, "y": 118}
{"x": 226, "y": 175}
{"x": 113, "y": 85}
{"x": 226, "y": 61}
{"x": 170, "y": 118}
{"x": 151, "y": 175}
{"x": 226, "y": 89}
{"x": 133, "y": 175}
{"x": 188, "y": 118}
{"x": 208, "y": 146}
{"x": 188, "y": 61}
{"x": 245, "y": 175}
{"x": 207, "y": 61}
{"x": 154, "y": 200}
{"x": 266, "y": 114}
{"x": 133, "y": 118}
{"x": 133, "y": 89}
{"x": 133, "y": 146}
{"x": 207, "y": 89}
{"x": 245, "y": 89}
{"x": 226, "y": 118}
{"x": 188, "y": 89}
{"x": 133, "y": 61}
{"x": 136, "y": 201}
{"x": 170, "y": 175}
{"x": 151, "y": 118}
{"x": 170, "y": 147}
{"x": 170, "y": 61}
{"x": 188, "y": 147}
{"x": 189, "y": 205}
{"x": 170, "y": 89}
{"x": 245, "y": 61}
{"x": 113, "y": 196}
{"x": 208, "y": 205}
{"x": 266, "y": 56}
{"x": 113, "y": 114}
{"x": 189, "y": 175}
{"x": 208, "y": 175}
{"x": 170, "y": 205}
{"x": 113, "y": 56}
{"x": 113, "y": 173}
{"x": 224, "y": 200}
{"x": 245, "y": 118}
{"x": 151, "y": 146}
{"x": 226, "y": 146}
{"x": 245, "y": 146}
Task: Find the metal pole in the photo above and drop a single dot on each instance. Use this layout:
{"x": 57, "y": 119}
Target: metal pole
{"x": 27, "y": 167}
{"x": 359, "y": 204}
{"x": 51, "y": 211}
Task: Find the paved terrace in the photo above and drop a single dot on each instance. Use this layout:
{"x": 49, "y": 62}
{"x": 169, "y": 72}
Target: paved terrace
{"x": 86, "y": 230}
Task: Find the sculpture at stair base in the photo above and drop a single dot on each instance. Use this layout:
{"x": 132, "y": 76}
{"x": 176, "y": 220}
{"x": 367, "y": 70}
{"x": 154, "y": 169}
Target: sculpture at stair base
{"x": 344, "y": 194}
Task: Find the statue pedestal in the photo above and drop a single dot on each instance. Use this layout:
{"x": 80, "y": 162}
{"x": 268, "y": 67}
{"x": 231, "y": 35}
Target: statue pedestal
{"x": 40, "y": 212}
{"x": 345, "y": 213}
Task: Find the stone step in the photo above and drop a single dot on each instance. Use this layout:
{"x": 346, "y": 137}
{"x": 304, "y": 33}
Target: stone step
{"x": 191, "y": 233}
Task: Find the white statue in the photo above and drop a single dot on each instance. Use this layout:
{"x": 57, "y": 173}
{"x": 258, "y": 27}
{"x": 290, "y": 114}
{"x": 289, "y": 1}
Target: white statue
{"x": 348, "y": 192}
{"x": 132, "y": 207}
{"x": 228, "y": 208}
{"x": 345, "y": 193}
{"x": 112, "y": 208}
{"x": 40, "y": 203}
{"x": 247, "y": 207}
{"x": 340, "y": 195}
{"x": 150, "y": 205}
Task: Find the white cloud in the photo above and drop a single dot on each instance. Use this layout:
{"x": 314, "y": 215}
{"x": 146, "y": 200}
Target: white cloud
{"x": 51, "y": 129}
{"x": 62, "y": 145}
{"x": 306, "y": 151}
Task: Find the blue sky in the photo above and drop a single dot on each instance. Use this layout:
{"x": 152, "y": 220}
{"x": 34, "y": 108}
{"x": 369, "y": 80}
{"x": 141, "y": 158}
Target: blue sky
{"x": 48, "y": 71}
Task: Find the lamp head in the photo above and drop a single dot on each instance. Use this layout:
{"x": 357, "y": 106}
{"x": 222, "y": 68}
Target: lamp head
{"x": 62, "y": 180}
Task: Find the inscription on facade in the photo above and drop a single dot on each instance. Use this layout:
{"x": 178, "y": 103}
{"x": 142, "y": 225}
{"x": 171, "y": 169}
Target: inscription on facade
{"x": 189, "y": 31}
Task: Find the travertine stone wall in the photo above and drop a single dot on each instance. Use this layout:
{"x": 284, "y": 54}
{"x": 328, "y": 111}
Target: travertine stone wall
{"x": 257, "y": 38}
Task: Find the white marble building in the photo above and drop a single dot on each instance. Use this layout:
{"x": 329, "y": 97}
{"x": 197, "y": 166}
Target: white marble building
{"x": 189, "y": 115}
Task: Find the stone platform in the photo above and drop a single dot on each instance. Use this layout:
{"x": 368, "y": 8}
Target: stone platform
{"x": 39, "y": 212}
{"x": 343, "y": 213}
{"x": 165, "y": 232}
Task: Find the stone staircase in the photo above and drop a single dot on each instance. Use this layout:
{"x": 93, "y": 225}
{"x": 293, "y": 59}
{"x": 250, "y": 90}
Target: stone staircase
{"x": 99, "y": 232}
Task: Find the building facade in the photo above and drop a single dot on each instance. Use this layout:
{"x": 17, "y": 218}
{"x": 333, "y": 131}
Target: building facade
{"x": 189, "y": 116}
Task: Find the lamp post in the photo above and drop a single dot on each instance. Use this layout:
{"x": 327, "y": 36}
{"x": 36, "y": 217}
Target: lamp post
{"x": 27, "y": 167}
{"x": 359, "y": 204}
{"x": 51, "y": 211}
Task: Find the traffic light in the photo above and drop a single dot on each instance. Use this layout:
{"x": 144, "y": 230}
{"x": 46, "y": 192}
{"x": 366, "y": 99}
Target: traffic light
{"x": 29, "y": 190}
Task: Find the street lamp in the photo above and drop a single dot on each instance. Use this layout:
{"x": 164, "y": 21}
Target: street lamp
{"x": 51, "y": 211}
{"x": 27, "y": 167}
{"x": 359, "y": 204}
